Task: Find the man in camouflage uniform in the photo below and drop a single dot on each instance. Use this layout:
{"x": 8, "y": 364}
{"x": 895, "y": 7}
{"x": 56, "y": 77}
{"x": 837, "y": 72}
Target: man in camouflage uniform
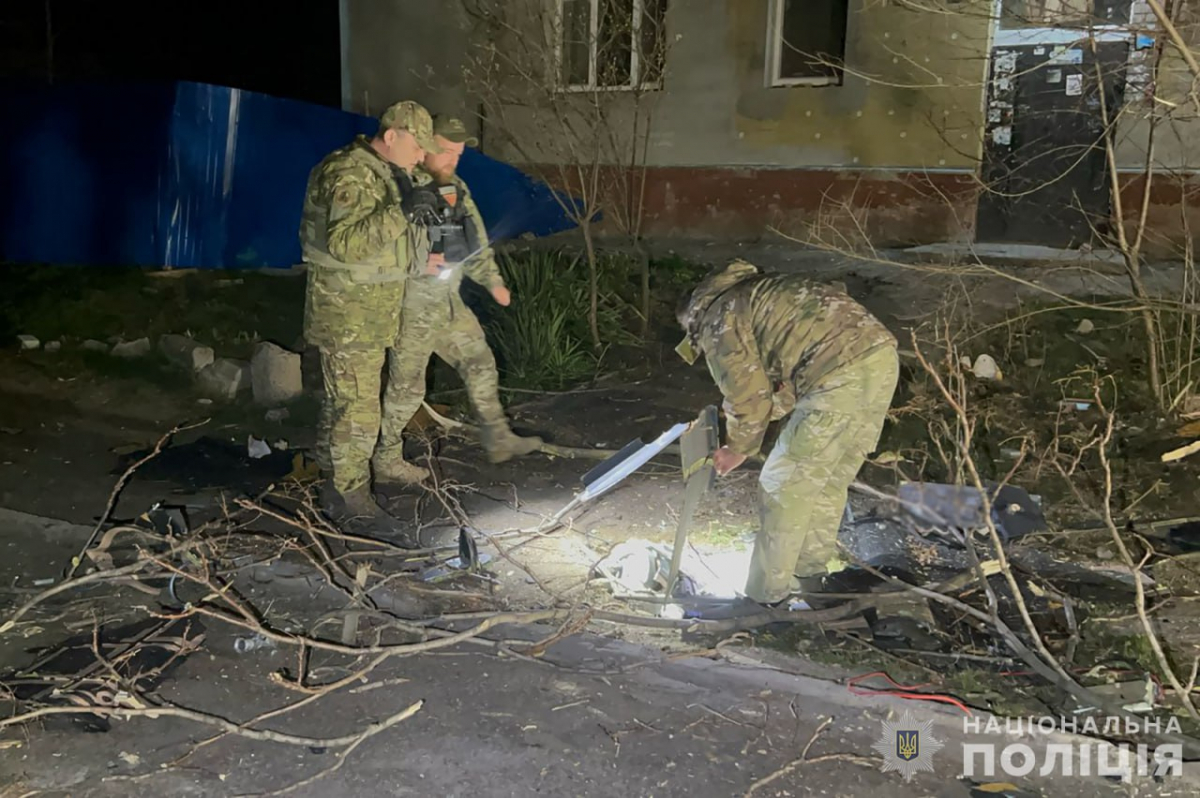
{"x": 361, "y": 246}
{"x": 777, "y": 345}
{"x": 435, "y": 320}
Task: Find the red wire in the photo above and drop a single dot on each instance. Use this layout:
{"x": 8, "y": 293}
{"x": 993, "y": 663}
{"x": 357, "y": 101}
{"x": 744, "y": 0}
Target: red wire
{"x": 902, "y": 691}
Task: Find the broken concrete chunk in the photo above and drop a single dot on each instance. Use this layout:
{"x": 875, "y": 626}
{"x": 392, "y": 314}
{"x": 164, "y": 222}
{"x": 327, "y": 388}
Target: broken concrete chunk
{"x": 131, "y": 349}
{"x": 185, "y": 353}
{"x": 28, "y": 342}
{"x": 92, "y": 345}
{"x": 275, "y": 374}
{"x": 224, "y": 378}
{"x": 52, "y": 346}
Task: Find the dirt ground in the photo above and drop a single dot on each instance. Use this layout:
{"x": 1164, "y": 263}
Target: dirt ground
{"x": 614, "y": 711}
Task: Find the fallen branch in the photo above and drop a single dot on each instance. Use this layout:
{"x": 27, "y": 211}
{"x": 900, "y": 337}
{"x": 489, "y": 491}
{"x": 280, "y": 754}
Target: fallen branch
{"x": 396, "y": 650}
{"x": 803, "y": 759}
{"x": 366, "y": 734}
{"x": 1181, "y": 452}
{"x": 551, "y": 449}
{"x": 315, "y": 695}
{"x": 116, "y": 492}
{"x": 229, "y": 726}
{"x": 1135, "y": 569}
{"x": 1054, "y": 676}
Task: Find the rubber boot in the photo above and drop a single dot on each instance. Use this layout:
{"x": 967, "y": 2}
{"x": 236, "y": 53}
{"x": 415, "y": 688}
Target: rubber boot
{"x": 502, "y": 444}
{"x": 399, "y": 473}
{"x": 357, "y": 513}
{"x": 848, "y": 580}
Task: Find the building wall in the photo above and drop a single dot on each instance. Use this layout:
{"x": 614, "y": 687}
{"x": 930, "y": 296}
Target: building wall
{"x": 893, "y": 148}
{"x": 1173, "y": 207}
{"x": 400, "y": 50}
{"x": 891, "y": 154}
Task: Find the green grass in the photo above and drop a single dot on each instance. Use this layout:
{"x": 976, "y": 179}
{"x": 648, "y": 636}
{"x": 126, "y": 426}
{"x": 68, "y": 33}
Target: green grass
{"x": 78, "y": 303}
{"x": 543, "y": 340}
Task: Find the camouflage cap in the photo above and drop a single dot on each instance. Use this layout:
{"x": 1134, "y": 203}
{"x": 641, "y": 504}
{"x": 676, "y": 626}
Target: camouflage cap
{"x": 453, "y": 129}
{"x": 413, "y": 117}
{"x": 693, "y": 306}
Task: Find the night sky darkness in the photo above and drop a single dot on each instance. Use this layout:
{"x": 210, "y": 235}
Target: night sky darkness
{"x": 285, "y": 49}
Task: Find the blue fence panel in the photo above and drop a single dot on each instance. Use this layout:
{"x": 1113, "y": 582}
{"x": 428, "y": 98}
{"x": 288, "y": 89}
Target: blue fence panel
{"x": 279, "y": 142}
{"x": 79, "y": 173}
{"x": 510, "y": 202}
{"x": 194, "y": 200}
{"x": 192, "y": 175}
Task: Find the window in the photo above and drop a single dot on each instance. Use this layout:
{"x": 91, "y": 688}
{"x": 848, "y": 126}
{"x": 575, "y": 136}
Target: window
{"x": 611, "y": 44}
{"x": 806, "y": 42}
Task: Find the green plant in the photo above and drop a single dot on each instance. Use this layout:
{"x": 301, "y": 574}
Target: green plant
{"x": 543, "y": 339}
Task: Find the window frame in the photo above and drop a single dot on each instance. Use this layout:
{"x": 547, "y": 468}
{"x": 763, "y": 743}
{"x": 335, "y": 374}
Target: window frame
{"x": 775, "y": 46}
{"x": 635, "y": 64}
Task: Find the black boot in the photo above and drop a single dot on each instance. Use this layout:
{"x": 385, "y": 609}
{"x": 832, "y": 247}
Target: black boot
{"x": 848, "y": 580}
{"x": 357, "y": 513}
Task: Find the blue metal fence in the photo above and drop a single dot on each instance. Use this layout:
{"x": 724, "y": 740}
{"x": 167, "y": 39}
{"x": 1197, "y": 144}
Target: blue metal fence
{"x": 191, "y": 175}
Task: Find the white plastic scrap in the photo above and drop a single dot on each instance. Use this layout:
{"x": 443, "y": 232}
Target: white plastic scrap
{"x": 257, "y": 448}
{"x": 639, "y": 567}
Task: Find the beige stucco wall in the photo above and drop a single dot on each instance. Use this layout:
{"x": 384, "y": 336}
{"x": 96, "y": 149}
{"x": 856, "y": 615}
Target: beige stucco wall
{"x": 402, "y": 50}
{"x": 1177, "y": 133}
{"x": 912, "y": 97}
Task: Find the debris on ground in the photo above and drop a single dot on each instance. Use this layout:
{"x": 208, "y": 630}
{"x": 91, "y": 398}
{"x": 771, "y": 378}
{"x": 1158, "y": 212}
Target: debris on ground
{"x": 276, "y": 374}
{"x": 208, "y": 463}
{"x": 985, "y": 368}
{"x": 224, "y": 379}
{"x": 131, "y": 349}
{"x": 105, "y": 668}
{"x": 182, "y": 352}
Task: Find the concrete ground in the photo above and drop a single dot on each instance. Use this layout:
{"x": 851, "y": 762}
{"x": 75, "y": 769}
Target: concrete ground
{"x": 608, "y": 712}
{"x": 593, "y": 716}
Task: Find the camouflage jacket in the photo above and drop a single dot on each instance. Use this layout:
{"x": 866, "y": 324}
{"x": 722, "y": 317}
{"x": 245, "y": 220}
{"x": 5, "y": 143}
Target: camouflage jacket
{"x": 481, "y": 269}
{"x": 359, "y": 247}
{"x": 769, "y": 339}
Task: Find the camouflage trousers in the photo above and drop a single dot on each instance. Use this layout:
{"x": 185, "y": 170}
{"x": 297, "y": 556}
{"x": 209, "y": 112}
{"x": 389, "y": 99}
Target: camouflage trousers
{"x": 348, "y": 427}
{"x": 804, "y": 482}
{"x": 446, "y": 328}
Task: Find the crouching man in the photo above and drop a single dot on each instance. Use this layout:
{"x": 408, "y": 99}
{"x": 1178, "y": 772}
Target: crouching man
{"x": 779, "y": 344}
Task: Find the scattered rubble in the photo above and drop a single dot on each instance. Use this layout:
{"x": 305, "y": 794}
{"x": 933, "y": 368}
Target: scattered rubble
{"x": 52, "y": 346}
{"x": 185, "y": 353}
{"x": 28, "y": 342}
{"x": 132, "y": 349}
{"x": 92, "y": 345}
{"x": 275, "y": 374}
{"x": 224, "y": 379}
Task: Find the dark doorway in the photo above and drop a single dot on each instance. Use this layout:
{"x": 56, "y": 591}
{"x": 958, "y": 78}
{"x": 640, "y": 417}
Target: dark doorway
{"x": 1045, "y": 171}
